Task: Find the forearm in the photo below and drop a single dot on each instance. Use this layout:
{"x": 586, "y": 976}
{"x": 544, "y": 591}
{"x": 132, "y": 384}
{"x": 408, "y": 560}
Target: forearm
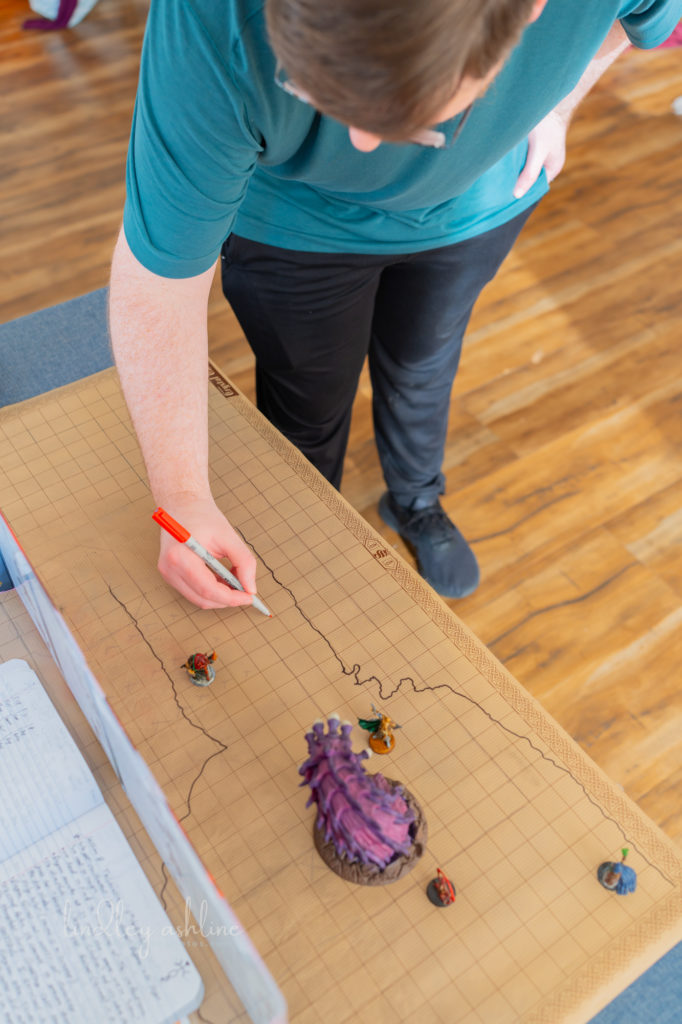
{"x": 159, "y": 337}
{"x": 547, "y": 140}
{"x": 614, "y": 44}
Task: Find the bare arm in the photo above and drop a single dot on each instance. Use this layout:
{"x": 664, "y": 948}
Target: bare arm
{"x": 547, "y": 141}
{"x": 159, "y": 335}
{"x": 614, "y": 44}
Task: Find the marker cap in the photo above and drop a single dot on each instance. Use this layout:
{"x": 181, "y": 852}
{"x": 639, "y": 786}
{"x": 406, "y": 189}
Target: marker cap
{"x": 170, "y": 525}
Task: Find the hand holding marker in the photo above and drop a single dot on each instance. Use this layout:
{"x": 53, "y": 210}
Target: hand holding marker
{"x": 181, "y": 534}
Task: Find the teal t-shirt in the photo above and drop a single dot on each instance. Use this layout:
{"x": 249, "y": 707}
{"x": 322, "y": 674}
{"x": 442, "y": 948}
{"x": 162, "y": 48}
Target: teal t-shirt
{"x": 218, "y": 147}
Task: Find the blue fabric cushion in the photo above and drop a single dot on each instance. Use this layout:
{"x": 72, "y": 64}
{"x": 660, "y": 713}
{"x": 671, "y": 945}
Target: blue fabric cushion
{"x": 55, "y": 346}
{"x": 655, "y": 998}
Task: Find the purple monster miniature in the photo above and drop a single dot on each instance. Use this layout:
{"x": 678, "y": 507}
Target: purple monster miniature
{"x": 368, "y": 829}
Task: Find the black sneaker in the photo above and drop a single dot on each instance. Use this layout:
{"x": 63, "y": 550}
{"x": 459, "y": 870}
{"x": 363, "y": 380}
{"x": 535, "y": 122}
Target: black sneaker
{"x": 444, "y": 558}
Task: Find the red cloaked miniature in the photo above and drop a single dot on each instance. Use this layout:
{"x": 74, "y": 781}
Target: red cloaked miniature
{"x": 199, "y": 668}
{"x": 440, "y": 890}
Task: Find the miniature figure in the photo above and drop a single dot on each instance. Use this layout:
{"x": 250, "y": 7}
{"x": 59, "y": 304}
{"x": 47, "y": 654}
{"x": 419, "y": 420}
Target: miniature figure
{"x": 368, "y": 829}
{"x": 440, "y": 890}
{"x": 199, "y": 668}
{"x": 618, "y": 878}
{"x": 382, "y": 740}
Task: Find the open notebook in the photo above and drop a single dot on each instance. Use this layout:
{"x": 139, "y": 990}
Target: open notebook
{"x": 83, "y": 936}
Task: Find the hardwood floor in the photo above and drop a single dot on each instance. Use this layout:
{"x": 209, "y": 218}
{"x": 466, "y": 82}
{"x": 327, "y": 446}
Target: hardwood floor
{"x": 564, "y": 458}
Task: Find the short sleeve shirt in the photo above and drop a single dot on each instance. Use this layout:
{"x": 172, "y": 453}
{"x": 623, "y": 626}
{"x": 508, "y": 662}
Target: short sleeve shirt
{"x": 218, "y": 147}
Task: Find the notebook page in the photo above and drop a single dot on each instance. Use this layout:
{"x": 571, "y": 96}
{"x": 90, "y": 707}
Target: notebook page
{"x": 83, "y": 937}
{"x": 44, "y": 780}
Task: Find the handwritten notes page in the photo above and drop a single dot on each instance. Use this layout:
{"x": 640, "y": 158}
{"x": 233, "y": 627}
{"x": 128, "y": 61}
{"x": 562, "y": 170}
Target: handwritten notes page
{"x": 82, "y": 934}
{"x": 45, "y": 780}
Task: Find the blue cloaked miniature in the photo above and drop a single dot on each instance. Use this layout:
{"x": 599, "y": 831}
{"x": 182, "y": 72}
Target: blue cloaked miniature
{"x": 620, "y": 878}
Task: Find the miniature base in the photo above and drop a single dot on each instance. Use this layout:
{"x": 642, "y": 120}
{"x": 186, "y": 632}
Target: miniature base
{"x": 370, "y": 874}
{"x": 379, "y": 745}
{"x": 202, "y": 680}
{"x": 432, "y": 893}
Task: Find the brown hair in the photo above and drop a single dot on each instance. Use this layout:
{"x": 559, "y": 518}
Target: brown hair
{"x": 389, "y": 66}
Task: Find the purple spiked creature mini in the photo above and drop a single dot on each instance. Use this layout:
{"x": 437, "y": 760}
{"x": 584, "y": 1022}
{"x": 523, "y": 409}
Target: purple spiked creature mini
{"x": 368, "y": 829}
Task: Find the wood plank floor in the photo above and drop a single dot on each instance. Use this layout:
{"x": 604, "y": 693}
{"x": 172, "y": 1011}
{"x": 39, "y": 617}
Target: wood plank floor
{"x": 564, "y": 460}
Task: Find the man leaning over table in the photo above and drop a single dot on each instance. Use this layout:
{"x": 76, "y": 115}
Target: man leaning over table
{"x": 362, "y": 167}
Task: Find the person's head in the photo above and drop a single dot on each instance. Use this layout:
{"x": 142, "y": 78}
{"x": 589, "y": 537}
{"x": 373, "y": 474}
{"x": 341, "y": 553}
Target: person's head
{"x": 389, "y": 68}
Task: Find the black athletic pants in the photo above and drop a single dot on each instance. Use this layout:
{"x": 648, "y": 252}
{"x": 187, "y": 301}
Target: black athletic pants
{"x": 311, "y": 318}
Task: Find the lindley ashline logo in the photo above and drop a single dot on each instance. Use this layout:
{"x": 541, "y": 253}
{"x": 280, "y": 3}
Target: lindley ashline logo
{"x": 111, "y": 918}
